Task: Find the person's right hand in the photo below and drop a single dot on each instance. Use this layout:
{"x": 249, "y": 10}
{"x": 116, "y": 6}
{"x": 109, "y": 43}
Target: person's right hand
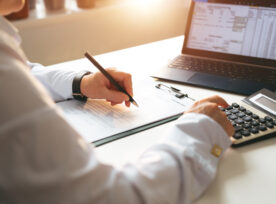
{"x": 97, "y": 86}
{"x": 210, "y": 107}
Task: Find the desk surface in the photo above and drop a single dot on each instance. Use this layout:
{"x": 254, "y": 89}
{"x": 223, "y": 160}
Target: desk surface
{"x": 245, "y": 175}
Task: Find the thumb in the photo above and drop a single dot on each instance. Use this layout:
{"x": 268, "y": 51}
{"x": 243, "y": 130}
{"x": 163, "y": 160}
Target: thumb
{"x": 115, "y": 96}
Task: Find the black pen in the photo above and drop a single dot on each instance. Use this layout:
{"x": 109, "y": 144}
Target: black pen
{"x": 109, "y": 77}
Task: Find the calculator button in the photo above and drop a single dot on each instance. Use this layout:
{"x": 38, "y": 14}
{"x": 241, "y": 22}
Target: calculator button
{"x": 248, "y": 112}
{"x": 254, "y": 130}
{"x": 247, "y": 118}
{"x": 242, "y": 109}
{"x": 239, "y": 121}
{"x": 232, "y": 117}
{"x": 235, "y": 105}
{"x": 238, "y": 128}
{"x": 222, "y": 109}
{"x": 247, "y": 125}
{"x": 237, "y": 136}
{"x": 262, "y": 128}
{"x": 255, "y": 123}
{"x": 229, "y": 108}
{"x": 240, "y": 114}
{"x": 245, "y": 133}
{"x": 269, "y": 125}
{"x": 262, "y": 120}
{"x": 234, "y": 111}
{"x": 255, "y": 116}
{"x": 228, "y": 113}
{"x": 274, "y": 122}
{"x": 267, "y": 118}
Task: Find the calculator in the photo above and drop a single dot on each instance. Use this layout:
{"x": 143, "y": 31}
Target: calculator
{"x": 254, "y": 118}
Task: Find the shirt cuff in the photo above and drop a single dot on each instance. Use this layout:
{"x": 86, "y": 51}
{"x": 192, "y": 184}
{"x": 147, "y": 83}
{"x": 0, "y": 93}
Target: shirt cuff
{"x": 200, "y": 140}
{"x": 58, "y": 82}
{"x": 201, "y": 129}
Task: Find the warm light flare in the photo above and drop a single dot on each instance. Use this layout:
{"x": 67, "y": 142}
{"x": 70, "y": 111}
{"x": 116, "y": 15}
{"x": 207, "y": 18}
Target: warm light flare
{"x": 146, "y": 3}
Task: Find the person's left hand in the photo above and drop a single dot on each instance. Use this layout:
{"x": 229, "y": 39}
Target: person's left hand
{"x": 97, "y": 86}
{"x": 210, "y": 107}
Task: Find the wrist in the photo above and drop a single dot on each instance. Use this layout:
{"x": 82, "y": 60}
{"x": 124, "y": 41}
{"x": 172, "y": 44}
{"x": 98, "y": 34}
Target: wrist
{"x": 77, "y": 86}
{"x": 84, "y": 85}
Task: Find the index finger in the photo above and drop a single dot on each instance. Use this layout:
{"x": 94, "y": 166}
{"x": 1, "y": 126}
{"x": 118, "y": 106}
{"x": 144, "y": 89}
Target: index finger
{"x": 124, "y": 79}
{"x": 216, "y": 99}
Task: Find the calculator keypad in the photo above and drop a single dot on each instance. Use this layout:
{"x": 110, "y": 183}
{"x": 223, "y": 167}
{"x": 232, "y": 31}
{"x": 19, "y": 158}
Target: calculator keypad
{"x": 248, "y": 124}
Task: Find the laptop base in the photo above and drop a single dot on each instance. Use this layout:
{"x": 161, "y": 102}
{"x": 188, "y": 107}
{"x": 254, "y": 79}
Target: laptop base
{"x": 237, "y": 86}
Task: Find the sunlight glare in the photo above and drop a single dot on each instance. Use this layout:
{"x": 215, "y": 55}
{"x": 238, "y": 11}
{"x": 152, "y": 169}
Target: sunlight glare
{"x": 146, "y": 3}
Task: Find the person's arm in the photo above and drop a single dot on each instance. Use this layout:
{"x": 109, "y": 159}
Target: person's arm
{"x": 44, "y": 160}
{"x": 181, "y": 167}
{"x": 58, "y": 82}
{"x": 190, "y": 142}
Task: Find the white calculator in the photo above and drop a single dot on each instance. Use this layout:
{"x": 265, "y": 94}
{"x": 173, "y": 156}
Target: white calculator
{"x": 254, "y": 118}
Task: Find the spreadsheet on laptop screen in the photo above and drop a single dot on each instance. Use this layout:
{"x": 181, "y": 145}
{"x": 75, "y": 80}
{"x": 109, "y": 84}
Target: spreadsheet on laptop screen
{"x": 234, "y": 29}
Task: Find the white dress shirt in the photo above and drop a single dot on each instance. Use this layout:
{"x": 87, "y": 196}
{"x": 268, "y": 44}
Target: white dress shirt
{"x": 44, "y": 160}
{"x": 57, "y": 82}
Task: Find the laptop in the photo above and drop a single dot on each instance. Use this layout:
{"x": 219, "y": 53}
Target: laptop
{"x": 228, "y": 46}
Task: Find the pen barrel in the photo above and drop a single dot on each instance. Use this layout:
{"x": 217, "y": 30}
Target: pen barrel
{"x": 118, "y": 87}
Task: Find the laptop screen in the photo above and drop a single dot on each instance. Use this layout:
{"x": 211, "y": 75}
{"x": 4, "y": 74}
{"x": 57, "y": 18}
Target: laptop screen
{"x": 233, "y": 29}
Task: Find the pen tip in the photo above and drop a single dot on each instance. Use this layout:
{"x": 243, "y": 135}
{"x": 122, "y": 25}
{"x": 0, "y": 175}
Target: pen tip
{"x": 134, "y": 103}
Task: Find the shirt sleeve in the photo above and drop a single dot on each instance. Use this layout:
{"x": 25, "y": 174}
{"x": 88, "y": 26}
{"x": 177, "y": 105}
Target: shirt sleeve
{"x": 181, "y": 166}
{"x": 58, "y": 82}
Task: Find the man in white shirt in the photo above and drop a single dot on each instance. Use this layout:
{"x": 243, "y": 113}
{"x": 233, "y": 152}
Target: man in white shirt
{"x": 44, "y": 160}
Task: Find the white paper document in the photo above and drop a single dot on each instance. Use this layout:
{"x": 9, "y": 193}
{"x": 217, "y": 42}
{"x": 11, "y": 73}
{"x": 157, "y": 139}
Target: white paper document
{"x": 97, "y": 119}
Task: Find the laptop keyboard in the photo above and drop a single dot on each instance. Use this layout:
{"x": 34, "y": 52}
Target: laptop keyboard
{"x": 232, "y": 70}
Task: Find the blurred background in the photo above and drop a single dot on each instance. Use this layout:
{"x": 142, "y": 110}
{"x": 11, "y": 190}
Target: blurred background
{"x": 65, "y": 29}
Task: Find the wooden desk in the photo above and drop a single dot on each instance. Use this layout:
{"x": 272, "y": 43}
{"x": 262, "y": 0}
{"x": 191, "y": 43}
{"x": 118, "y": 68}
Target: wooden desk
{"x": 245, "y": 175}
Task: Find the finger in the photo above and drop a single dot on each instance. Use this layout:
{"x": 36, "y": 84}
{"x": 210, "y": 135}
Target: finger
{"x": 215, "y": 99}
{"x": 120, "y": 76}
{"x": 227, "y": 125}
{"x": 123, "y": 78}
{"x": 230, "y": 129}
{"x": 127, "y": 83}
{"x": 127, "y": 103}
{"x": 113, "y": 104}
{"x": 115, "y": 96}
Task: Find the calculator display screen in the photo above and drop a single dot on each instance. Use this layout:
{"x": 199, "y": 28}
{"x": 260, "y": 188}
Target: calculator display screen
{"x": 267, "y": 102}
{"x": 264, "y": 102}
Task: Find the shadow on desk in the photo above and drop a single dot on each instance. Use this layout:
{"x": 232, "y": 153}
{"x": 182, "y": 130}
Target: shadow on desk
{"x": 241, "y": 173}
{"x": 257, "y": 145}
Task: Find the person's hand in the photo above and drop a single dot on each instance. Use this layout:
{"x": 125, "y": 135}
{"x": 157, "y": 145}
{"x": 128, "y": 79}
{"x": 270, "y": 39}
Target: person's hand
{"x": 210, "y": 107}
{"x": 97, "y": 86}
